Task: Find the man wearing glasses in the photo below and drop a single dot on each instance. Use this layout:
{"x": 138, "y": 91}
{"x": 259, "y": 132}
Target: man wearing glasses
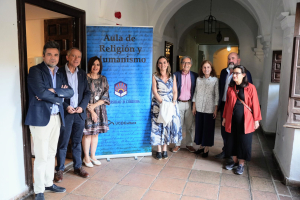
{"x": 225, "y": 78}
{"x": 186, "y": 83}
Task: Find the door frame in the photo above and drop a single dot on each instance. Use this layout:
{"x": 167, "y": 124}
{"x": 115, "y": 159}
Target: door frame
{"x": 80, "y": 42}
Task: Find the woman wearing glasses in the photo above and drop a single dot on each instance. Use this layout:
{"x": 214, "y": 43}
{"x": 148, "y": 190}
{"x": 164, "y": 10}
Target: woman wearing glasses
{"x": 241, "y": 118}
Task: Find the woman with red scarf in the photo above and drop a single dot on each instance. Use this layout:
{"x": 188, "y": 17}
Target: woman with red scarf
{"x": 241, "y": 118}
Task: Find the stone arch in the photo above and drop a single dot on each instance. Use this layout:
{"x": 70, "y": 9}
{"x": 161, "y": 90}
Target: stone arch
{"x": 168, "y": 8}
{"x": 182, "y": 34}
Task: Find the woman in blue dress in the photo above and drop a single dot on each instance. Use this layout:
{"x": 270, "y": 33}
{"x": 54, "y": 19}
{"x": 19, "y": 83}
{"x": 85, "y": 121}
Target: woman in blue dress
{"x": 164, "y": 89}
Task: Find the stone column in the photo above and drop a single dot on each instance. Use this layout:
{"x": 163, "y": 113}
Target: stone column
{"x": 158, "y": 49}
{"x": 287, "y": 148}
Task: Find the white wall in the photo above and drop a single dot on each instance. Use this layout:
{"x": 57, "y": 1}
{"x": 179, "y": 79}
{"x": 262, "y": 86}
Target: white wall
{"x": 11, "y": 144}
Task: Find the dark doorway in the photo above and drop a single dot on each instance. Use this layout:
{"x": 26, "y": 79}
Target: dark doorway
{"x": 61, "y": 31}
{"x": 169, "y": 53}
{"x": 200, "y": 59}
{"x": 80, "y": 41}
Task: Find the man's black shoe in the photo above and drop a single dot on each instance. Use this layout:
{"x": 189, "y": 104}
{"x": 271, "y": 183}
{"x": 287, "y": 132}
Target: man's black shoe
{"x": 220, "y": 155}
{"x": 39, "y": 196}
{"x": 55, "y": 188}
{"x": 239, "y": 170}
{"x": 231, "y": 165}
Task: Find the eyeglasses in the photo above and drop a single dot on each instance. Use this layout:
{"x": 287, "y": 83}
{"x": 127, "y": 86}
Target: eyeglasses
{"x": 188, "y": 63}
{"x": 236, "y": 73}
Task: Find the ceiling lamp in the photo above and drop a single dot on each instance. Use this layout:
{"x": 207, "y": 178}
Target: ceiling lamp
{"x": 210, "y": 22}
{"x": 219, "y": 35}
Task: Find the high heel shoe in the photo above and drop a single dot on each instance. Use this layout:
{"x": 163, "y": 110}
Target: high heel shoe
{"x": 199, "y": 151}
{"x": 205, "y": 155}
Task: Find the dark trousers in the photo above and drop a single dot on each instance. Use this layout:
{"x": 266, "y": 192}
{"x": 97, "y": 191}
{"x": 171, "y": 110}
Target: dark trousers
{"x": 73, "y": 129}
{"x": 223, "y": 132}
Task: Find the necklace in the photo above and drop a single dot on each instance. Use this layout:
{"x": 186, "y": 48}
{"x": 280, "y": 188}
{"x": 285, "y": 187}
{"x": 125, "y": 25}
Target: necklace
{"x": 94, "y": 77}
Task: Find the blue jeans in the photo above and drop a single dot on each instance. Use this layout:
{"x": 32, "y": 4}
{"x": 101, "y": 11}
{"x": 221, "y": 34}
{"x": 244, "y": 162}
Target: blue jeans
{"x": 73, "y": 129}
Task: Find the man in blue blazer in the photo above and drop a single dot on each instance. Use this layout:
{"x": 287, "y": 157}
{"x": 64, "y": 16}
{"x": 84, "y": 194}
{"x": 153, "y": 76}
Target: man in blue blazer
{"x": 75, "y": 115}
{"x": 46, "y": 90}
{"x": 186, "y": 83}
{"x": 225, "y": 78}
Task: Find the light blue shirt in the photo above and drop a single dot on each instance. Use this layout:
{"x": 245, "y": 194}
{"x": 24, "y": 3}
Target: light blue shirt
{"x": 55, "y": 108}
{"x": 73, "y": 82}
{"x": 228, "y": 79}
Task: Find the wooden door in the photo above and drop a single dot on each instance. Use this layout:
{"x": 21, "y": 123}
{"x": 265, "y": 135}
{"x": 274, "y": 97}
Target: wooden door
{"x": 61, "y": 31}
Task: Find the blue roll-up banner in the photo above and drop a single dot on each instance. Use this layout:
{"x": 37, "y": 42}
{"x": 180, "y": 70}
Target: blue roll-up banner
{"x": 126, "y": 54}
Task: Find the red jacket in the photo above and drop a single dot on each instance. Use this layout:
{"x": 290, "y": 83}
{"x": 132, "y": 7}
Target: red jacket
{"x": 251, "y": 99}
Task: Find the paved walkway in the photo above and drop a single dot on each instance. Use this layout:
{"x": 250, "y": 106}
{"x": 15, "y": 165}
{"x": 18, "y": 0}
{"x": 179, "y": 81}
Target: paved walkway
{"x": 183, "y": 176}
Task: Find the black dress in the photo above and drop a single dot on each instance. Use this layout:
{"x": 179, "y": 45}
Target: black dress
{"x": 238, "y": 143}
{"x": 204, "y": 129}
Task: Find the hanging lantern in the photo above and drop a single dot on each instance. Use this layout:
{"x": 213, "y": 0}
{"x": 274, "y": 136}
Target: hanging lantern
{"x": 210, "y": 22}
{"x": 219, "y": 35}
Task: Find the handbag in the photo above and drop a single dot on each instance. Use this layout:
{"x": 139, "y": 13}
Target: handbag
{"x": 236, "y": 93}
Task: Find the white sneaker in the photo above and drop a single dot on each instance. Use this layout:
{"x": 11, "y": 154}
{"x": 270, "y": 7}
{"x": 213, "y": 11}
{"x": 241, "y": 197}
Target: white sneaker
{"x": 88, "y": 164}
{"x": 95, "y": 162}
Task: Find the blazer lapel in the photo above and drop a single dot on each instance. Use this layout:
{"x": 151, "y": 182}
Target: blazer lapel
{"x": 80, "y": 80}
{"x": 47, "y": 73}
{"x": 179, "y": 79}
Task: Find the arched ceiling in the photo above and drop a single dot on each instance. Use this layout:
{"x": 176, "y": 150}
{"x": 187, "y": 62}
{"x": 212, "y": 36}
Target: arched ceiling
{"x": 260, "y": 11}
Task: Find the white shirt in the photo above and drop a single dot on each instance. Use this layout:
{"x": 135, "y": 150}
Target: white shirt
{"x": 228, "y": 79}
{"x": 206, "y": 94}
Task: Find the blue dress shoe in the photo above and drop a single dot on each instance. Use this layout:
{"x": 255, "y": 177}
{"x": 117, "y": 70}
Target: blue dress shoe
{"x": 55, "y": 188}
{"x": 39, "y": 196}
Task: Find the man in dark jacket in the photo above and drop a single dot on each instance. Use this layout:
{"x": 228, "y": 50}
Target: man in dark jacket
{"x": 225, "y": 78}
{"x": 186, "y": 83}
{"x": 46, "y": 90}
{"x": 75, "y": 115}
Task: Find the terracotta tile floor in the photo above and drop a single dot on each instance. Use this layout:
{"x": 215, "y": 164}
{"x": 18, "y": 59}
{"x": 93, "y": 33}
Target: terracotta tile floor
{"x": 184, "y": 176}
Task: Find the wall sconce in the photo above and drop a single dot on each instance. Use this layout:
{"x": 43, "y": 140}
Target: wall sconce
{"x": 228, "y": 48}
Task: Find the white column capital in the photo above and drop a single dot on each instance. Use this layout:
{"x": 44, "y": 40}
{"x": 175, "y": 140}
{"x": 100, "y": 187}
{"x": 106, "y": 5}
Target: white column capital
{"x": 288, "y": 22}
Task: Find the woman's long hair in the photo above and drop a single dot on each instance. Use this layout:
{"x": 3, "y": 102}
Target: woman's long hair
{"x": 91, "y": 62}
{"x": 245, "y": 79}
{"x": 212, "y": 73}
{"x": 168, "y": 68}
